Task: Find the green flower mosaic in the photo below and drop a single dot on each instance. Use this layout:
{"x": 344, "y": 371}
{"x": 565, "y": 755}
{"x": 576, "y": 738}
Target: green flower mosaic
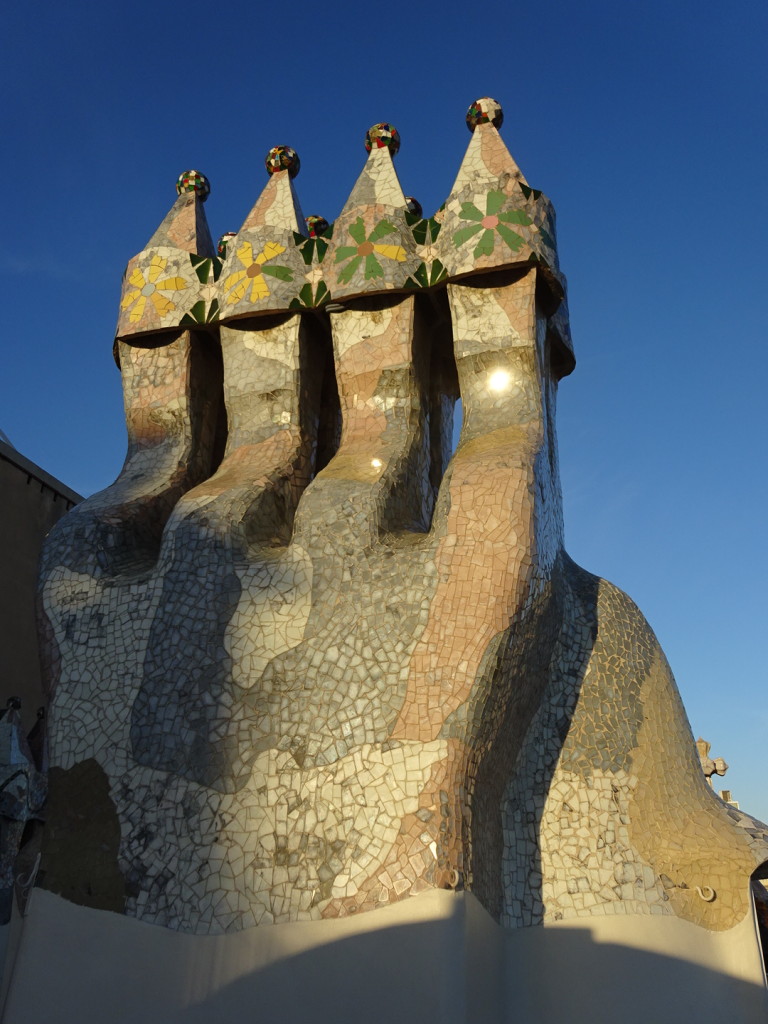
{"x": 206, "y": 268}
{"x": 201, "y": 313}
{"x": 426, "y": 275}
{"x": 367, "y": 249}
{"x": 424, "y": 231}
{"x": 309, "y": 298}
{"x": 489, "y": 223}
{"x": 529, "y": 192}
{"x": 313, "y": 248}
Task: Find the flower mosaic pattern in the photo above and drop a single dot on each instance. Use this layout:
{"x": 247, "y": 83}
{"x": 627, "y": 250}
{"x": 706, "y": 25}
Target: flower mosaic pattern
{"x": 391, "y": 246}
{"x": 311, "y": 298}
{"x": 254, "y": 272}
{"x": 201, "y": 313}
{"x": 315, "y": 247}
{"x": 207, "y": 268}
{"x": 366, "y": 249}
{"x": 427, "y": 274}
{"x": 147, "y": 288}
{"x": 425, "y": 230}
{"x": 489, "y": 222}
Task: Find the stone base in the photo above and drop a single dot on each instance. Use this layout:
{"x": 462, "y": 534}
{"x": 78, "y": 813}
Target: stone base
{"x": 437, "y": 958}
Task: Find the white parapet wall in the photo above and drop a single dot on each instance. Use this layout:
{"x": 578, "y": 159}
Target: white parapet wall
{"x": 437, "y": 958}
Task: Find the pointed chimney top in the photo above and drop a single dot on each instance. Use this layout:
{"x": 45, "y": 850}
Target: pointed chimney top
{"x": 487, "y": 159}
{"x": 265, "y": 268}
{"x": 492, "y": 218}
{"x": 378, "y": 184}
{"x": 373, "y": 248}
{"x": 185, "y": 226}
{"x": 162, "y": 283}
{"x": 278, "y": 207}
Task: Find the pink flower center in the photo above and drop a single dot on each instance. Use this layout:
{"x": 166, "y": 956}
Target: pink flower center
{"x": 490, "y": 221}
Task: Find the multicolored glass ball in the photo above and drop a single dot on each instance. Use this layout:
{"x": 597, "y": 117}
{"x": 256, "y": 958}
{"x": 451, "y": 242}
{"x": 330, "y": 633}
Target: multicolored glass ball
{"x": 316, "y": 225}
{"x": 383, "y": 136}
{"x": 193, "y": 181}
{"x": 282, "y": 158}
{"x": 485, "y": 111}
{"x": 413, "y": 206}
{"x": 226, "y": 238}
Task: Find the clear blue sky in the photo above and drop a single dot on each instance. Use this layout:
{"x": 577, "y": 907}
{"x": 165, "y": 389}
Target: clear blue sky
{"x": 644, "y": 122}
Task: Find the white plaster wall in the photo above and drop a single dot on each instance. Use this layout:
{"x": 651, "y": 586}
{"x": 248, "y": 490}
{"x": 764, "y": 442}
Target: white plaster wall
{"x": 437, "y": 958}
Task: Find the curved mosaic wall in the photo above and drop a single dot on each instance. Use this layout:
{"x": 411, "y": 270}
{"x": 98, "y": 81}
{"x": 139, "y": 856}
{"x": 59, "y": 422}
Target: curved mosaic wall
{"x": 303, "y": 661}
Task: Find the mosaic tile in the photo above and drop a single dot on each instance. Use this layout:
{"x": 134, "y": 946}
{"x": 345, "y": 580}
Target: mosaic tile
{"x": 222, "y": 246}
{"x": 383, "y": 136}
{"x": 492, "y": 218}
{"x": 193, "y": 181}
{"x": 304, "y": 661}
{"x": 177, "y": 268}
{"x": 283, "y": 158}
{"x": 372, "y": 247}
{"x": 316, "y": 225}
{"x": 265, "y": 270}
{"x": 485, "y": 111}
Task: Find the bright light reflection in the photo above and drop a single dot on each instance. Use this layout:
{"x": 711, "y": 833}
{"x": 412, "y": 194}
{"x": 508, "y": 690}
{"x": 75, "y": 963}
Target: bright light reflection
{"x": 376, "y": 463}
{"x": 499, "y": 380}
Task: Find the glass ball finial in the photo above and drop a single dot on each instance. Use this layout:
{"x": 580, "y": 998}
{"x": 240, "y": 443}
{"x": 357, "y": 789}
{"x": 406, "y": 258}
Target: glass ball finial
{"x": 485, "y": 111}
{"x": 282, "y": 158}
{"x": 383, "y": 136}
{"x": 193, "y": 181}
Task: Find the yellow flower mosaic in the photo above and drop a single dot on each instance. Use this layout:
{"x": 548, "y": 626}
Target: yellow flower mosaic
{"x": 253, "y": 273}
{"x": 147, "y": 288}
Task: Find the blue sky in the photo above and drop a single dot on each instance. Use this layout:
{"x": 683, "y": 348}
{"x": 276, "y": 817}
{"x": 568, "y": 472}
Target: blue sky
{"x": 643, "y": 122}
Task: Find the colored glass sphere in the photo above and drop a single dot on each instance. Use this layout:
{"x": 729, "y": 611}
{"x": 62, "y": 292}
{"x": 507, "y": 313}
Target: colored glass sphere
{"x": 226, "y": 238}
{"x": 316, "y": 225}
{"x": 283, "y": 158}
{"x": 193, "y": 181}
{"x": 484, "y": 111}
{"x": 413, "y": 206}
{"x": 383, "y": 136}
